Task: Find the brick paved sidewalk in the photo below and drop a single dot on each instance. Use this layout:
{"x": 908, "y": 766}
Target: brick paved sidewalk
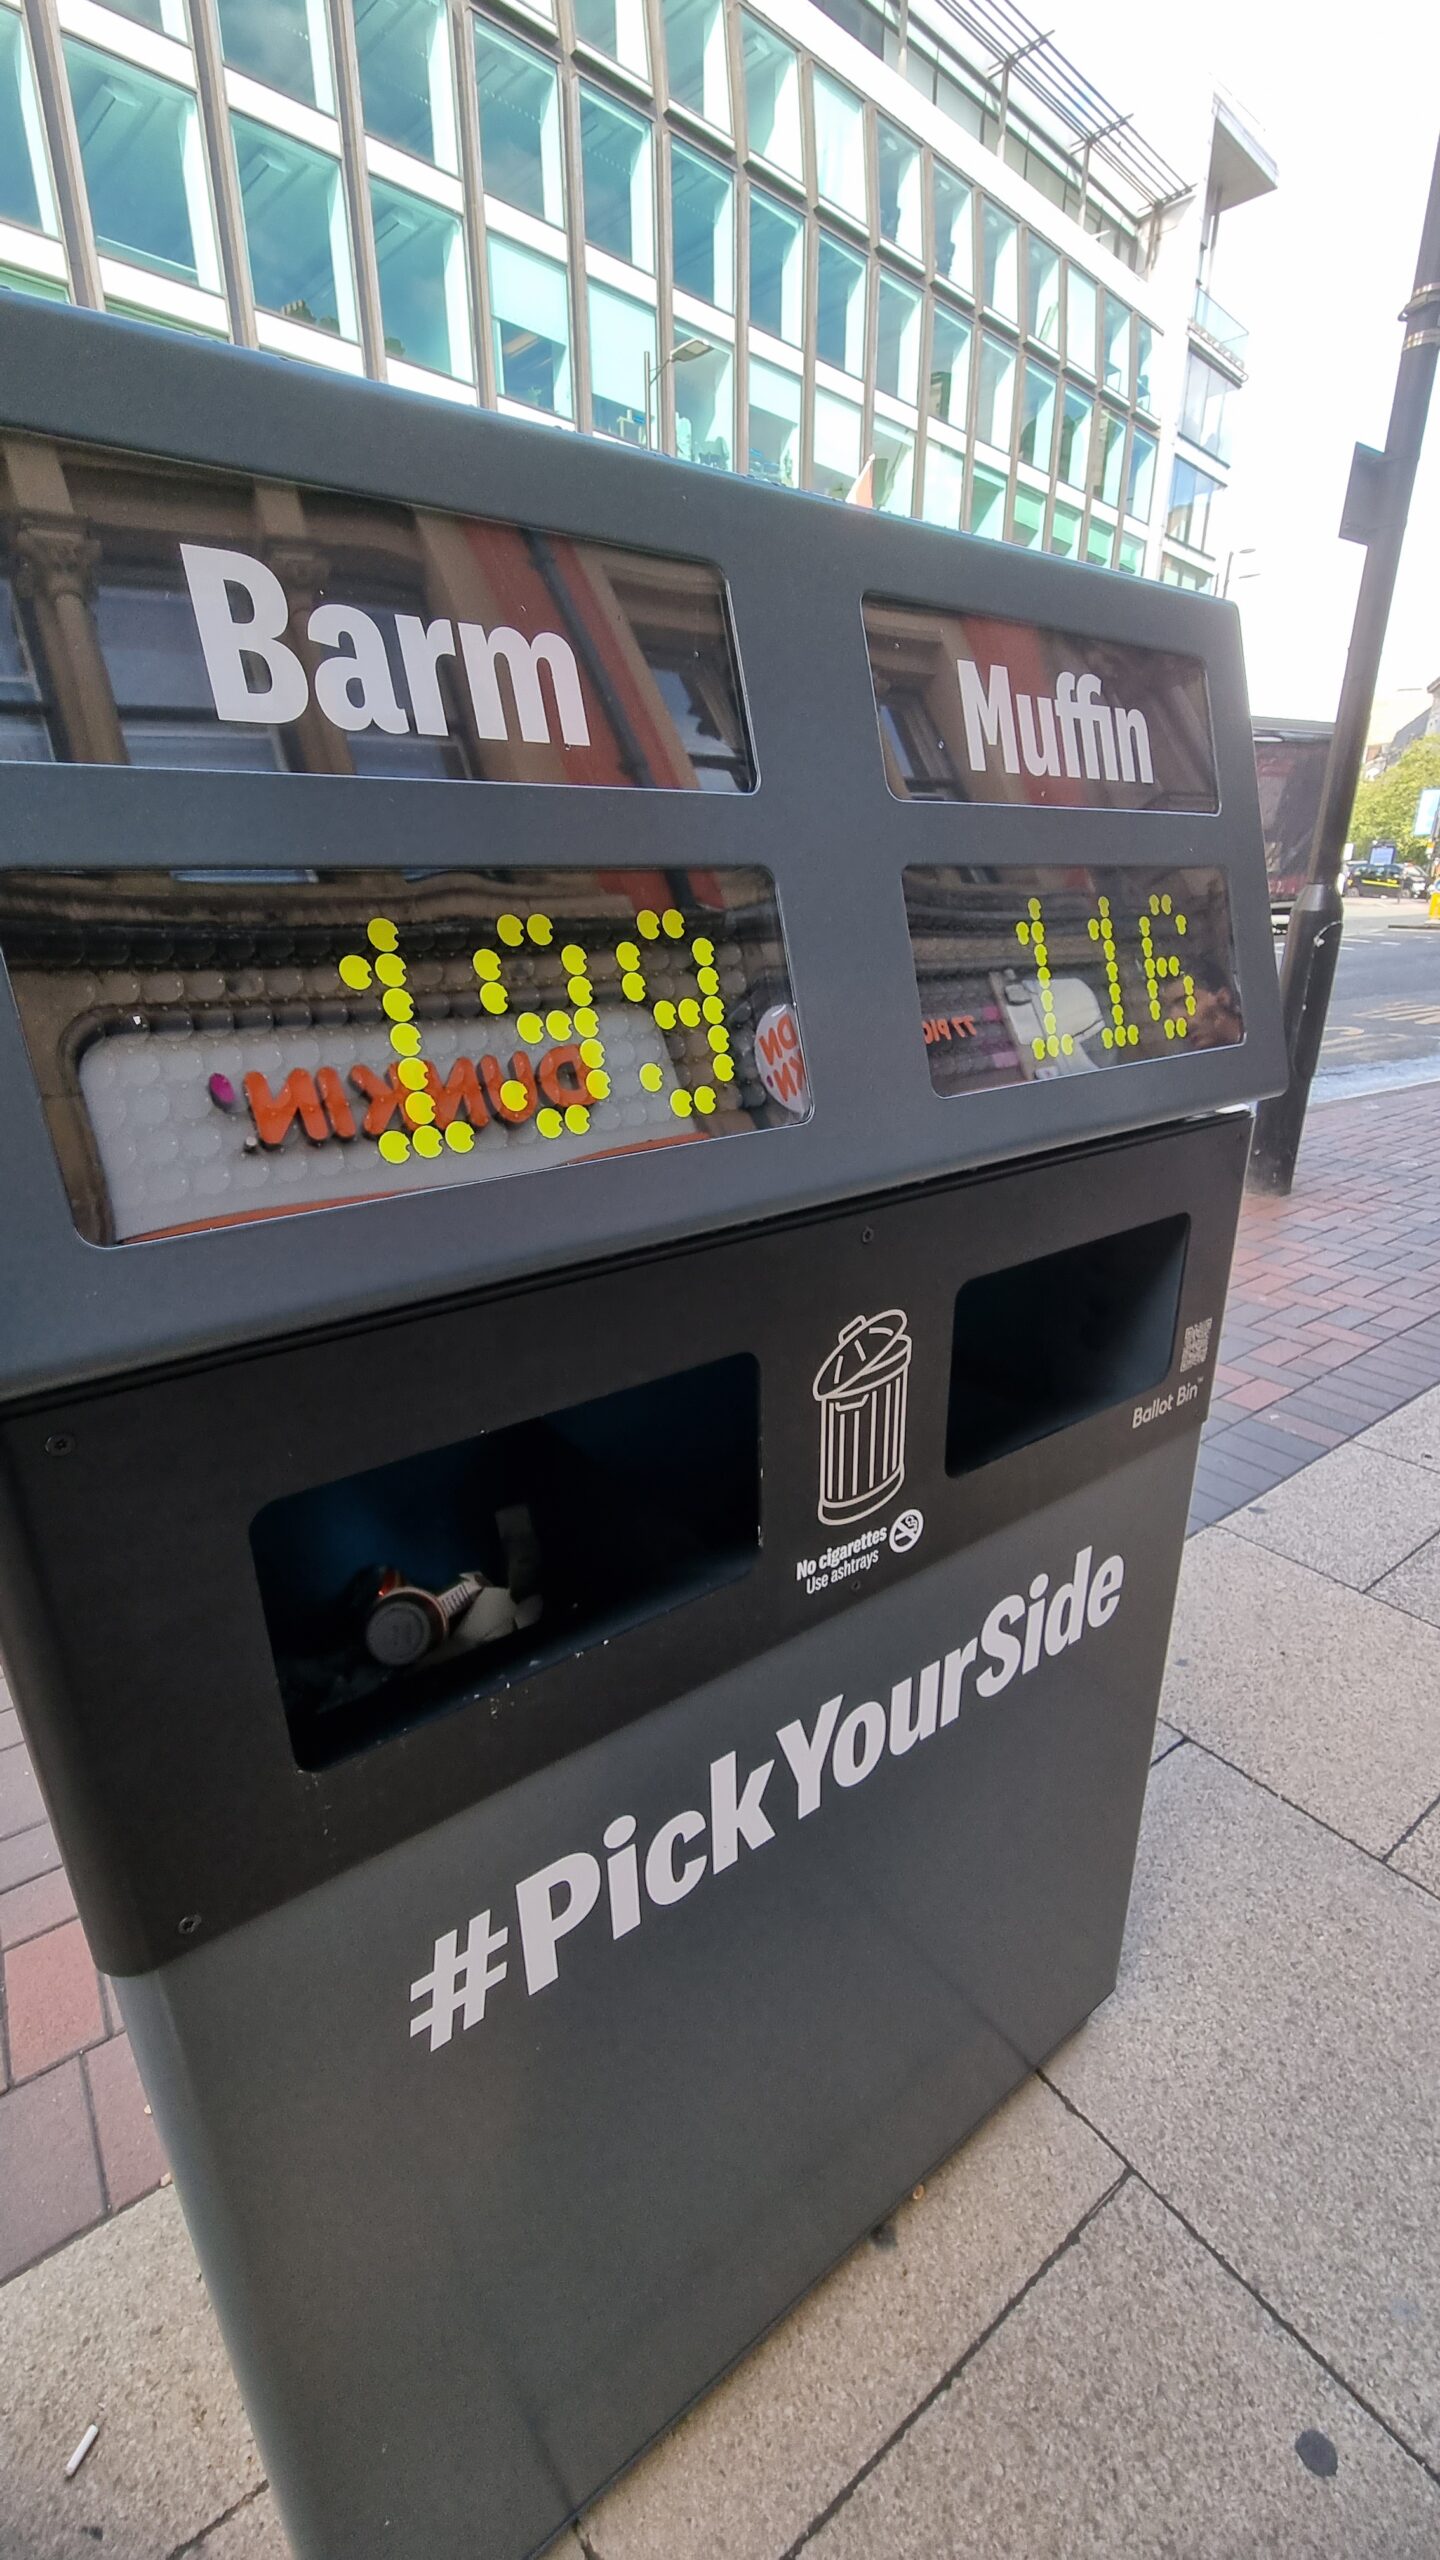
{"x": 1333, "y": 1318}
{"x": 1333, "y": 1322}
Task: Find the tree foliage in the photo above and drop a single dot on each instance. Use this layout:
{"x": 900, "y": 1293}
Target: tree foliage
{"x": 1384, "y": 811}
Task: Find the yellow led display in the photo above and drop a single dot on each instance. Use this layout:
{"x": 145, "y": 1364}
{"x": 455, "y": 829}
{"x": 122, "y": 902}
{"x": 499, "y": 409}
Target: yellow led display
{"x": 1136, "y": 942}
{"x": 430, "y": 1110}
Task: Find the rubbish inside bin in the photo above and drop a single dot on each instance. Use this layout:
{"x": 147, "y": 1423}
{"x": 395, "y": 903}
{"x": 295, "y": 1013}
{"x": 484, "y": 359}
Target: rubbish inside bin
{"x": 404, "y": 1621}
{"x": 409, "y": 1588}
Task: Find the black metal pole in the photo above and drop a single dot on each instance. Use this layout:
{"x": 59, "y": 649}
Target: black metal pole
{"x": 1377, "y": 508}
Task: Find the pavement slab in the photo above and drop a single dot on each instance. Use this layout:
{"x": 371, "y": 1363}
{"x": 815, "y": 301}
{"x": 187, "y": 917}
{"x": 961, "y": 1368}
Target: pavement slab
{"x": 1165, "y": 1740}
{"x": 1269, "y": 2062}
{"x": 767, "y": 2451}
{"x": 131, "y": 2155}
{"x": 21, "y": 1803}
{"x": 28, "y": 1910}
{"x": 1353, "y": 1515}
{"x": 1321, "y": 1692}
{"x": 118, "y": 2331}
{"x": 1072, "y": 2435}
{"x": 1413, "y": 1433}
{"x": 1414, "y": 1585}
{"x": 49, "y": 2175}
{"x": 52, "y": 2000}
{"x": 27, "y": 1853}
{"x": 1419, "y": 1856}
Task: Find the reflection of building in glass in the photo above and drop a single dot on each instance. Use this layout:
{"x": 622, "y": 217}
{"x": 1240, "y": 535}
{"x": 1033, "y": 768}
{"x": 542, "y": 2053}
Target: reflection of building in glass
{"x": 975, "y": 708}
{"x": 484, "y": 650}
{"x": 892, "y": 243}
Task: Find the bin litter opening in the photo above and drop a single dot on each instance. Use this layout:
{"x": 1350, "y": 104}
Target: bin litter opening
{"x": 421, "y": 1586}
{"x": 1049, "y": 1343}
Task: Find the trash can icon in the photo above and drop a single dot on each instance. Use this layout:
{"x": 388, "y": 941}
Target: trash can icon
{"x": 862, "y": 1389}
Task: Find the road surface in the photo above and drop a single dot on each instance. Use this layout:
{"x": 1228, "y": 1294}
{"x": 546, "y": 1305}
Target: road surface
{"x": 1384, "y": 1026}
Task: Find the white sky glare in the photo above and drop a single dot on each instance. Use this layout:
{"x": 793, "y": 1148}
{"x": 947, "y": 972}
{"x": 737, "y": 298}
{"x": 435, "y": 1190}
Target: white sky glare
{"x": 1348, "y": 103}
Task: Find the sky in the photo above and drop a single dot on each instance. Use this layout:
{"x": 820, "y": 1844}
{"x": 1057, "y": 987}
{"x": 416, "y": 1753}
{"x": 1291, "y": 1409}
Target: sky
{"x": 1348, "y": 104}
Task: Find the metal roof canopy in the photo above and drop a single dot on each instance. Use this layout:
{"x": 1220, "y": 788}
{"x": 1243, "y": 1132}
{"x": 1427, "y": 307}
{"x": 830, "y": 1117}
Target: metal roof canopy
{"x": 1018, "y": 46}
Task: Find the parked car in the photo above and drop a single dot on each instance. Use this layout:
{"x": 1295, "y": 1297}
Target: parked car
{"x": 1387, "y": 878}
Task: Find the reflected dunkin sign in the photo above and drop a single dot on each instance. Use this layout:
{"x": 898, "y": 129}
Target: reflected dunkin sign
{"x": 211, "y": 1050}
{"x": 160, "y": 614}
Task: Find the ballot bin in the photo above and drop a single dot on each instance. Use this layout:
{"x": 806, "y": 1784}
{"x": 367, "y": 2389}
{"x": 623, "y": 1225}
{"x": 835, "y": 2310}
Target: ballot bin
{"x": 626, "y": 1098}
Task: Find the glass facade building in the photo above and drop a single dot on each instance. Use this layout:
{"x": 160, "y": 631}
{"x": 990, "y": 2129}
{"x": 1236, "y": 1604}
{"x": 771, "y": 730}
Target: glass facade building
{"x": 823, "y": 249}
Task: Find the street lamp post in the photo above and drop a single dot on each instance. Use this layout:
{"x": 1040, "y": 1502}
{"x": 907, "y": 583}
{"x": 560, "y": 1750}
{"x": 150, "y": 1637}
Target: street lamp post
{"x": 685, "y": 353}
{"x": 1376, "y": 511}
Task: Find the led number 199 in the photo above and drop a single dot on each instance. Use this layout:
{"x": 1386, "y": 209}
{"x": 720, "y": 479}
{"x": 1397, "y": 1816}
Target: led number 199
{"x": 704, "y": 1010}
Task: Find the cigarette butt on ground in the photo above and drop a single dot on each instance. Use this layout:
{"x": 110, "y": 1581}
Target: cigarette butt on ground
{"x": 82, "y": 2448}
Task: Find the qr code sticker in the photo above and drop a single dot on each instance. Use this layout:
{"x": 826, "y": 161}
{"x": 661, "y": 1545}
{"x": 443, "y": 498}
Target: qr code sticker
{"x": 1195, "y": 1350}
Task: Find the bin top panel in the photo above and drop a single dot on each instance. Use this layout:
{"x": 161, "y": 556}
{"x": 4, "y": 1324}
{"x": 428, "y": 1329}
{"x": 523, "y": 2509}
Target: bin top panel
{"x": 394, "y": 796}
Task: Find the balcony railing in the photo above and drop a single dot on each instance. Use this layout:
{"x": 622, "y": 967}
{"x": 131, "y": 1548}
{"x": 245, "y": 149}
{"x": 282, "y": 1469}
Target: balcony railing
{"x": 1220, "y": 330}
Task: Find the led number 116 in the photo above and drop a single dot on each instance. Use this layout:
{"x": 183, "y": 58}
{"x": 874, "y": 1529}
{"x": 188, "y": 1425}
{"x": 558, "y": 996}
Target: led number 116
{"x": 1159, "y": 923}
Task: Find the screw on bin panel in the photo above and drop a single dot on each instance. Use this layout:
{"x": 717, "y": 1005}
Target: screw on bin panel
{"x": 59, "y": 1444}
{"x": 189, "y": 1924}
{"x": 867, "y": 1235}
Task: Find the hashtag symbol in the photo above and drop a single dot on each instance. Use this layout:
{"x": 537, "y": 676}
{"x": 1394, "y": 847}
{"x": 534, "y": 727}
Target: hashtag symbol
{"x": 457, "y": 1984}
